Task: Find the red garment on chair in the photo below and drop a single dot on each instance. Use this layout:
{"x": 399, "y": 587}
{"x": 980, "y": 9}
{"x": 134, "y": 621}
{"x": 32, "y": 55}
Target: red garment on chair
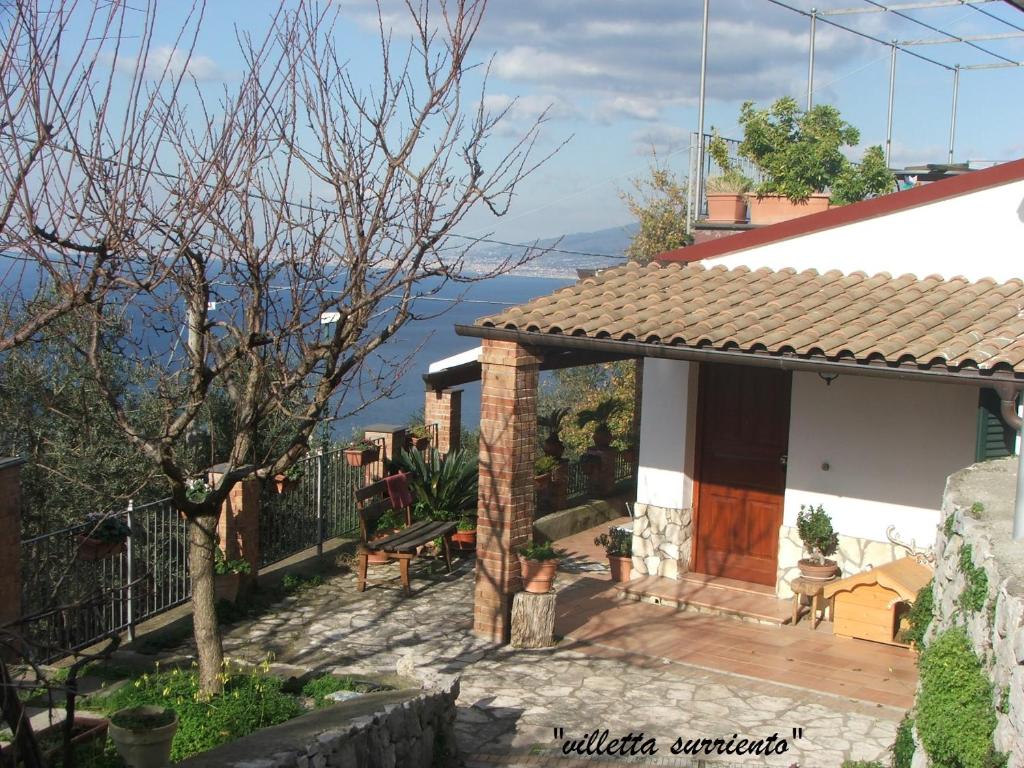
{"x": 398, "y": 490}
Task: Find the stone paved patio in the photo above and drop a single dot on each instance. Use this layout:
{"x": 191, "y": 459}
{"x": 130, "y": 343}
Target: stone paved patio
{"x": 512, "y": 701}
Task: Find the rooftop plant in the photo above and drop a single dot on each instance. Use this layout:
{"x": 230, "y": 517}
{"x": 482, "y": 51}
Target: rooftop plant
{"x": 731, "y": 180}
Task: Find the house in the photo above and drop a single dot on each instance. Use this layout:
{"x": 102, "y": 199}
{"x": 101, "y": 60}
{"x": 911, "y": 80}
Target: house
{"x": 836, "y": 359}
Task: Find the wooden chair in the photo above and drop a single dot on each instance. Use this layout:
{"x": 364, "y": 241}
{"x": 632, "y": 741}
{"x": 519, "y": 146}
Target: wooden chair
{"x": 372, "y": 502}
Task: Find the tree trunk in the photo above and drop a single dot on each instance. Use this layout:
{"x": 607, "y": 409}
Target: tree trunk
{"x": 202, "y": 541}
{"x": 533, "y": 620}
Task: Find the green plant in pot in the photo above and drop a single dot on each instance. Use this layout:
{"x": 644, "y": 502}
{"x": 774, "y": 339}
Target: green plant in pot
{"x": 359, "y": 453}
{"x": 814, "y": 526}
{"x": 618, "y": 546}
{"x": 465, "y": 533}
{"x": 726, "y": 192}
{"x": 228, "y": 575}
{"x": 289, "y": 478}
{"x": 103, "y": 536}
{"x": 552, "y": 422}
{"x": 445, "y": 487}
{"x": 537, "y": 565}
{"x": 600, "y": 414}
{"x": 542, "y": 467}
{"x": 143, "y": 735}
{"x": 418, "y": 437}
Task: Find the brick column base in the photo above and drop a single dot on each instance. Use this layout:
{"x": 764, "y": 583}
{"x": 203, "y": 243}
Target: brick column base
{"x": 505, "y": 512}
{"x": 10, "y": 540}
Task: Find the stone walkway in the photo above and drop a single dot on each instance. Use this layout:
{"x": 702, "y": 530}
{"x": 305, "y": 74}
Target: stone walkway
{"x": 512, "y": 702}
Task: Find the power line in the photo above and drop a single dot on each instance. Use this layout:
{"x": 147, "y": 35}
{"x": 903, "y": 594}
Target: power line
{"x": 997, "y": 18}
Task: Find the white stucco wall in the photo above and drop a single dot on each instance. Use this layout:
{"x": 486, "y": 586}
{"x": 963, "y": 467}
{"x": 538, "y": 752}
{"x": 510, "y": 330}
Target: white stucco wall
{"x": 975, "y": 235}
{"x": 889, "y": 445}
{"x": 667, "y": 422}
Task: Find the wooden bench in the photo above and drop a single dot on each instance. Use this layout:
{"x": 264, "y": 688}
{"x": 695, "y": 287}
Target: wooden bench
{"x": 372, "y": 501}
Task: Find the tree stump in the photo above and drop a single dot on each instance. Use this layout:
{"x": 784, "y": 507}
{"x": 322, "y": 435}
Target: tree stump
{"x": 533, "y": 620}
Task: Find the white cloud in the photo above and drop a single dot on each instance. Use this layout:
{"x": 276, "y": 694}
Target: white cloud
{"x": 661, "y": 138}
{"x": 634, "y": 107}
{"x": 173, "y": 62}
{"x": 529, "y": 107}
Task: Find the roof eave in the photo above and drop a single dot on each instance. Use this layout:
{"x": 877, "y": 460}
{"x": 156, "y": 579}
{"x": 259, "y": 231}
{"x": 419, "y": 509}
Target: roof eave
{"x": 814, "y": 364}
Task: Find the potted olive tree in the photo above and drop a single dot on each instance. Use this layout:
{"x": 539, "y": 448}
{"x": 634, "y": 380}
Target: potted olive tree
{"x": 537, "y": 565}
{"x": 104, "y": 536}
{"x": 143, "y": 735}
{"x": 618, "y": 546}
{"x": 814, "y": 527}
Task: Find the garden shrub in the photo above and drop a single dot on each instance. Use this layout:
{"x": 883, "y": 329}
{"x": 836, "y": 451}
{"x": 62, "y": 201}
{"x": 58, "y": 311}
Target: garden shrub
{"x": 903, "y": 747}
{"x": 320, "y": 687}
{"x": 920, "y": 614}
{"x": 955, "y": 713}
{"x": 248, "y": 702}
{"x": 976, "y": 590}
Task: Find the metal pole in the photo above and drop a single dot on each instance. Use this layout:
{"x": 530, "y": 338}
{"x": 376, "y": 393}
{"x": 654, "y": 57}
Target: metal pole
{"x": 700, "y": 108}
{"x": 131, "y": 574}
{"x": 952, "y": 112}
{"x": 892, "y": 93}
{"x": 692, "y": 188}
{"x": 319, "y": 502}
{"x": 810, "y": 60}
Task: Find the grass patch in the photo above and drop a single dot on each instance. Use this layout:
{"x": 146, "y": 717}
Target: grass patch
{"x": 296, "y": 584}
{"x": 249, "y": 702}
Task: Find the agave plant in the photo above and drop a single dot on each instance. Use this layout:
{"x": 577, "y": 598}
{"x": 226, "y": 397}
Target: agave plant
{"x": 552, "y": 421}
{"x": 444, "y": 487}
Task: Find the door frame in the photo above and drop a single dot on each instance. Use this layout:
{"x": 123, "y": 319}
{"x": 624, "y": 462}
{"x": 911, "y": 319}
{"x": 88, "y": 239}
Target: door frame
{"x": 698, "y": 464}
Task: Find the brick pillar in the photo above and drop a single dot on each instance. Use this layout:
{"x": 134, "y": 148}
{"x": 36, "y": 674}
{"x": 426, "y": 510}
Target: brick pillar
{"x": 10, "y": 540}
{"x": 239, "y": 524}
{"x": 508, "y": 444}
{"x": 394, "y": 442}
{"x": 444, "y": 408}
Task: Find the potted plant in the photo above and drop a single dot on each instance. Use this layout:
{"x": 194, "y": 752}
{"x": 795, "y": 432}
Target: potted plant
{"x": 197, "y": 489}
{"x": 104, "y": 536}
{"x": 143, "y": 735}
{"x": 814, "y": 527}
{"x": 552, "y": 421}
{"x": 361, "y": 452}
{"x": 418, "y": 436}
{"x": 465, "y": 535}
{"x": 542, "y": 468}
{"x": 228, "y": 576}
{"x": 618, "y": 546}
{"x": 283, "y": 481}
{"x": 537, "y": 565}
{"x": 799, "y": 154}
{"x": 600, "y": 415}
{"x": 726, "y": 192}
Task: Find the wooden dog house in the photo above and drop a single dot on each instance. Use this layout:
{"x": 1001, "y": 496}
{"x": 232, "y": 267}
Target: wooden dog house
{"x": 869, "y": 604}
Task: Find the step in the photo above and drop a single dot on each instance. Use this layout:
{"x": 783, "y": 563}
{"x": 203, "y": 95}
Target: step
{"x": 711, "y": 595}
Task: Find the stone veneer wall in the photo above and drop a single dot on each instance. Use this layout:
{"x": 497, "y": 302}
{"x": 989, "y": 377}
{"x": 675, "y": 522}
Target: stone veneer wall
{"x": 662, "y": 539}
{"x": 416, "y": 733}
{"x": 997, "y": 631}
{"x": 854, "y": 555}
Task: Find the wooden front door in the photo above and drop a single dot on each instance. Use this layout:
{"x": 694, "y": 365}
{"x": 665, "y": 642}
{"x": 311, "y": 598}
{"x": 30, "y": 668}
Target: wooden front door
{"x": 742, "y": 444}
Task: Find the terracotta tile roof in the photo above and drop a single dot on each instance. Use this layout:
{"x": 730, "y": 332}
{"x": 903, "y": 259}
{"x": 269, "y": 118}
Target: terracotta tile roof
{"x": 898, "y": 320}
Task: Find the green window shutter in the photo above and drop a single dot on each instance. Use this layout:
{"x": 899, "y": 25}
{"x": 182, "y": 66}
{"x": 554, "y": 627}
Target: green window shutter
{"x": 995, "y": 439}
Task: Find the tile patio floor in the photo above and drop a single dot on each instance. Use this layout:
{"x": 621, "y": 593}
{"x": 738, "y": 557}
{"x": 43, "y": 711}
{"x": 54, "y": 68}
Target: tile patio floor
{"x": 592, "y": 614}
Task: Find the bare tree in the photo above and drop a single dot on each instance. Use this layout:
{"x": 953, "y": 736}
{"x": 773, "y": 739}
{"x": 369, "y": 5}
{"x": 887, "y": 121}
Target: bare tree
{"x": 221, "y": 229}
{"x": 78, "y": 143}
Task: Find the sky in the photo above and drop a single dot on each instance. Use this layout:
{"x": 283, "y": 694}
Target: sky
{"x": 620, "y": 79}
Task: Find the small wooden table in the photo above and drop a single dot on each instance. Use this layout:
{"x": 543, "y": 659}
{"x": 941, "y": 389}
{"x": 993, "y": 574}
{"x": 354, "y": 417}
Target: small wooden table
{"x": 814, "y": 589}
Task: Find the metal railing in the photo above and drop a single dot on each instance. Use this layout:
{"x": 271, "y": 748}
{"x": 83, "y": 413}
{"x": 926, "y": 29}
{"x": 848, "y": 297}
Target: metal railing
{"x": 76, "y": 601}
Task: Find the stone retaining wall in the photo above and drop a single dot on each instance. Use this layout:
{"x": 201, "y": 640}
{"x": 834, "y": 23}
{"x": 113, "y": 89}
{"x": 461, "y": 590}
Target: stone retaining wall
{"x": 395, "y": 729}
{"x": 997, "y": 631}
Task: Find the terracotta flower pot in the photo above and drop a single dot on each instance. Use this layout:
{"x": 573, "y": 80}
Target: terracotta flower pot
{"x": 360, "y": 457}
{"x": 809, "y": 569}
{"x": 541, "y": 482}
{"x": 602, "y": 436}
{"x": 282, "y": 484}
{"x": 464, "y": 539}
{"x": 538, "y": 575}
{"x": 96, "y": 549}
{"x": 149, "y": 748}
{"x": 727, "y": 208}
{"x": 379, "y": 558}
{"x": 621, "y": 567}
{"x": 771, "y": 209}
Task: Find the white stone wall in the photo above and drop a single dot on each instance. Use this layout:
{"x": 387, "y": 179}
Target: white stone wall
{"x": 662, "y": 539}
{"x": 997, "y": 636}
